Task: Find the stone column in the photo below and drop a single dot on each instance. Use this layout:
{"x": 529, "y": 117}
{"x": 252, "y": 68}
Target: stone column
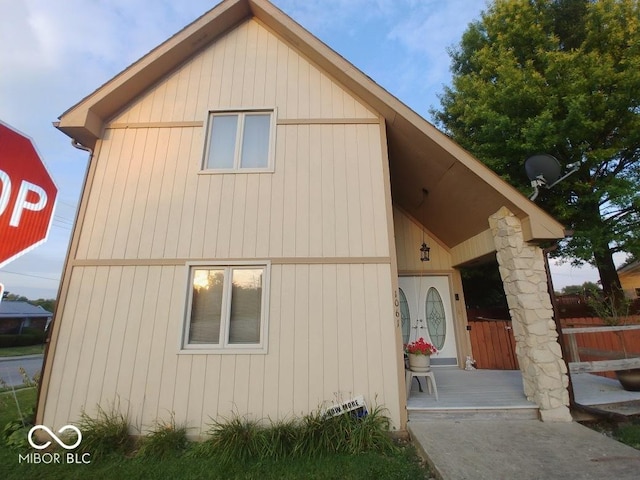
{"x": 522, "y": 269}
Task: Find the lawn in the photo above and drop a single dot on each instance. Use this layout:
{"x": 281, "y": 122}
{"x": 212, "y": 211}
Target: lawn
{"x": 626, "y": 432}
{"x": 20, "y": 351}
{"x": 401, "y": 465}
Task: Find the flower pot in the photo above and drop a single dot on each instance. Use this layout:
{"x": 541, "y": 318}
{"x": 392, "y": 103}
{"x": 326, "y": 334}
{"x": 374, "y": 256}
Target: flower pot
{"x": 419, "y": 363}
{"x": 629, "y": 379}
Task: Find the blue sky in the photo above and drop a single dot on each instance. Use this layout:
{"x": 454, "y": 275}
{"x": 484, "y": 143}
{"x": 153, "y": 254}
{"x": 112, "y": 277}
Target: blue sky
{"x": 55, "y": 52}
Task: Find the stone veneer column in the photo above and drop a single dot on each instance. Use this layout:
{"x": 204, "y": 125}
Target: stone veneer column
{"x": 522, "y": 269}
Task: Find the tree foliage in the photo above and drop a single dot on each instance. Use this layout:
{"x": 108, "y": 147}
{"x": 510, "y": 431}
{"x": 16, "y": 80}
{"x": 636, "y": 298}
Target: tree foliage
{"x": 559, "y": 77}
{"x": 48, "y": 304}
{"x": 587, "y": 288}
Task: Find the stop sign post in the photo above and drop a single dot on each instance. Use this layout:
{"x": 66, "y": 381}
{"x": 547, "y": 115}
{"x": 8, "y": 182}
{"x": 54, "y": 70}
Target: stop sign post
{"x": 27, "y": 195}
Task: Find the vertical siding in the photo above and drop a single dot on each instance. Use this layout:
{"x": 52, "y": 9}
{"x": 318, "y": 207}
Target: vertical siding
{"x": 249, "y": 66}
{"x": 148, "y": 182}
{"x": 331, "y": 326}
{"x": 409, "y": 237}
{"x": 150, "y": 202}
{"x": 328, "y": 325}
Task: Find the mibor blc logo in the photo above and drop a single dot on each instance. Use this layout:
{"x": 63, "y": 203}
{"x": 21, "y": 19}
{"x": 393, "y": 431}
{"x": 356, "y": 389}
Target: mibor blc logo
{"x": 55, "y": 437}
{"x": 54, "y": 457}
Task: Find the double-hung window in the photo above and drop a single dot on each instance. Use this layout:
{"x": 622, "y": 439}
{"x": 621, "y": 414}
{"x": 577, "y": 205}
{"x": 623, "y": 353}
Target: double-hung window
{"x": 240, "y": 141}
{"x": 227, "y": 308}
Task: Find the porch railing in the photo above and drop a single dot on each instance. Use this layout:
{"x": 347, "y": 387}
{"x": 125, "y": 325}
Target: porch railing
{"x": 613, "y": 359}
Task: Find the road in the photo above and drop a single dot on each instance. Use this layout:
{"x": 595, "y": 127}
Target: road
{"x": 10, "y": 368}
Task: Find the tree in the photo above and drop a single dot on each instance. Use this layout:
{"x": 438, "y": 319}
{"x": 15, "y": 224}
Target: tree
{"x": 584, "y": 289}
{"x": 559, "y": 77}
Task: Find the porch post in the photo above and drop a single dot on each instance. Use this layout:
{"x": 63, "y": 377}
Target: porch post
{"x": 521, "y": 265}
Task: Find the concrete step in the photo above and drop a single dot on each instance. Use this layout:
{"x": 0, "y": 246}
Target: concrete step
{"x": 485, "y": 413}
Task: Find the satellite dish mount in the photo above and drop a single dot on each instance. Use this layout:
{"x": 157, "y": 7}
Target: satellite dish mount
{"x": 544, "y": 170}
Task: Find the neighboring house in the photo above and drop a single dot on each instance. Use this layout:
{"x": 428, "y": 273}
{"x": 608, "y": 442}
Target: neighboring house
{"x": 249, "y": 232}
{"x": 16, "y": 316}
{"x": 629, "y": 276}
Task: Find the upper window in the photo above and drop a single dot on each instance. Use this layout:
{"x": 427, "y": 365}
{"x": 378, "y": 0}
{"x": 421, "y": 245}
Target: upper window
{"x": 227, "y": 308}
{"x": 240, "y": 141}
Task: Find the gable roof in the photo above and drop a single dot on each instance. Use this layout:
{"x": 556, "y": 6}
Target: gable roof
{"x": 462, "y": 192}
{"x": 10, "y": 309}
{"x": 631, "y": 268}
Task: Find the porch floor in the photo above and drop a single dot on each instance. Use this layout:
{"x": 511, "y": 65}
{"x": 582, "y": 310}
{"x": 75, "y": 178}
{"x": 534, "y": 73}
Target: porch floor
{"x": 499, "y": 392}
{"x": 479, "y": 391}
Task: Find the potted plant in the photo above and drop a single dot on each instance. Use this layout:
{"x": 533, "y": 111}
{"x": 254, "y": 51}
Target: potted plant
{"x": 419, "y": 353}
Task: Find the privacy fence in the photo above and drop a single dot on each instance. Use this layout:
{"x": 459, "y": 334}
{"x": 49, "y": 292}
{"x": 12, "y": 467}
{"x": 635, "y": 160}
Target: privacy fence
{"x": 593, "y": 346}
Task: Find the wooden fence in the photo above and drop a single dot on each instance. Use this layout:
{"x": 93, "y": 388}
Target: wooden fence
{"x": 588, "y": 338}
{"x": 493, "y": 344}
{"x": 595, "y": 347}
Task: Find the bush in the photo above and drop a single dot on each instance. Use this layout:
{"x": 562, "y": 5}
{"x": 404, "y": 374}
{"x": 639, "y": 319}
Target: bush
{"x": 23, "y": 340}
{"x": 15, "y": 431}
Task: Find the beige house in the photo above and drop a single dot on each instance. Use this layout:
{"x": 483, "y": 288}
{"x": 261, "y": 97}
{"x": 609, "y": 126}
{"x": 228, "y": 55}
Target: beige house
{"x": 629, "y": 276}
{"x": 249, "y": 233}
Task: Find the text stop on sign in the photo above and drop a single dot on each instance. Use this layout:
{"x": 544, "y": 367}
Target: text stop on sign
{"x": 27, "y": 195}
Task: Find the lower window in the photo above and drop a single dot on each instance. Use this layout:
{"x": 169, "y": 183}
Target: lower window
{"x": 227, "y": 308}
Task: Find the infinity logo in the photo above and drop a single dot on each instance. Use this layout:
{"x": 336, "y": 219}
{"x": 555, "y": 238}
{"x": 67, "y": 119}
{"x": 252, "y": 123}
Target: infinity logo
{"x": 54, "y": 436}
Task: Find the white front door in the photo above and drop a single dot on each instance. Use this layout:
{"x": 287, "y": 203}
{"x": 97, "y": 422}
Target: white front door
{"x": 426, "y": 311}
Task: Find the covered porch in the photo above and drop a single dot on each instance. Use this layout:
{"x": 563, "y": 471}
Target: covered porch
{"x": 500, "y": 393}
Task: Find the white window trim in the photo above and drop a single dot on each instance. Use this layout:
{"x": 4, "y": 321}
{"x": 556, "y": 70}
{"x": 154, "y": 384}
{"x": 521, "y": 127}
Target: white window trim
{"x": 224, "y": 347}
{"x": 241, "y": 112}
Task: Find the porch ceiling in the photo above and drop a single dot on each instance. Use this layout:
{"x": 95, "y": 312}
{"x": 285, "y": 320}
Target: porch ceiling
{"x": 462, "y": 193}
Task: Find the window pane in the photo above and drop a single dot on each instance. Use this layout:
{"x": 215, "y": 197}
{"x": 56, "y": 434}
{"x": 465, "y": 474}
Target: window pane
{"x": 246, "y": 305}
{"x": 436, "y": 320}
{"x": 223, "y": 141}
{"x": 255, "y": 141}
{"x": 405, "y": 315}
{"x": 206, "y": 306}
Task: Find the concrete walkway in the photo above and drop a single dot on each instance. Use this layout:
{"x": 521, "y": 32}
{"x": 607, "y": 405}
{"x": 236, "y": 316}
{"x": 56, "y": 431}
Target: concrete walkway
{"x": 521, "y": 450}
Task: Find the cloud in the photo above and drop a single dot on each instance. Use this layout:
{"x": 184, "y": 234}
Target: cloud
{"x": 326, "y": 16}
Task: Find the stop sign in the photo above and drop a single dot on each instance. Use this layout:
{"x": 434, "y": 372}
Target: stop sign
{"x": 27, "y": 195}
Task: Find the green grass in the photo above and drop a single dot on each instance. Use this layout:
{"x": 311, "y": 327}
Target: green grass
{"x": 9, "y": 410}
{"x": 627, "y": 432}
{"x": 21, "y": 351}
{"x": 401, "y": 463}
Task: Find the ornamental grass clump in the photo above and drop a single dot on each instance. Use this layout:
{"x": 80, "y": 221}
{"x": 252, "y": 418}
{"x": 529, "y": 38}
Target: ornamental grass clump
{"x": 166, "y": 439}
{"x": 106, "y": 433}
{"x": 315, "y": 435}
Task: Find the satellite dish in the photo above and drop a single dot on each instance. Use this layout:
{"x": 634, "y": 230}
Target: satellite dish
{"x": 544, "y": 168}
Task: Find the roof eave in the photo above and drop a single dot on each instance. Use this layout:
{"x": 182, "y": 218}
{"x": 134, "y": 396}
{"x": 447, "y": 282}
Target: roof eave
{"x": 84, "y": 121}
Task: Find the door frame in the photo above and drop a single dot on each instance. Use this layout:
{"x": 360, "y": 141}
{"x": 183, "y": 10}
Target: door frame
{"x": 450, "y": 301}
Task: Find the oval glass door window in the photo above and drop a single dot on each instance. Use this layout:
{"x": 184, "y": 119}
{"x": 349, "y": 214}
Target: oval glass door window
{"x": 405, "y": 315}
{"x": 436, "y": 324}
